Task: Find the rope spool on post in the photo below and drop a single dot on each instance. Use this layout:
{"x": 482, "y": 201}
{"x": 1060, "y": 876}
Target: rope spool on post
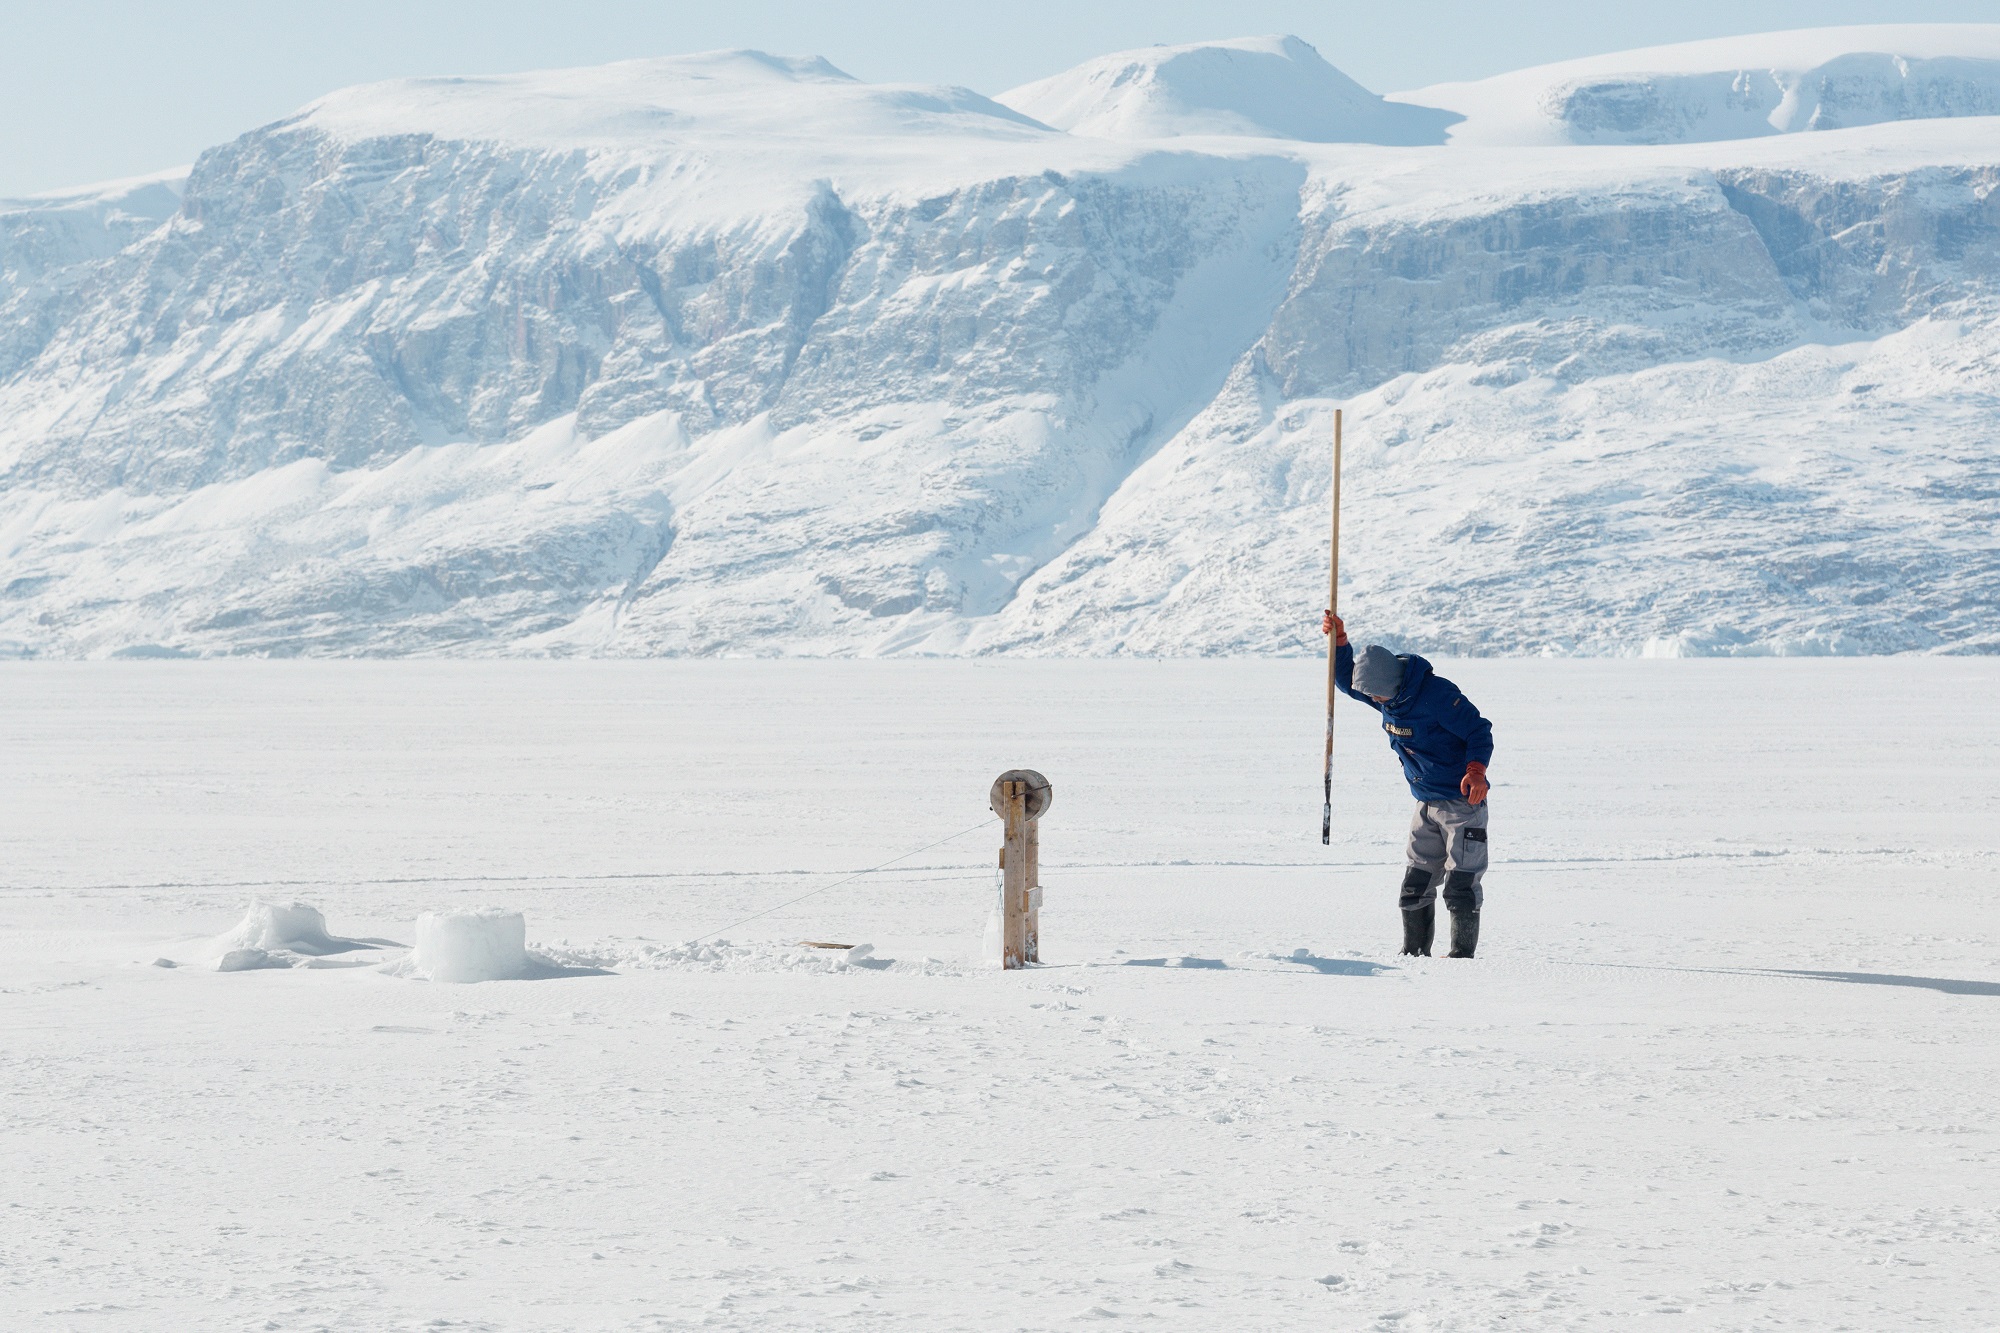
{"x": 1020, "y": 796}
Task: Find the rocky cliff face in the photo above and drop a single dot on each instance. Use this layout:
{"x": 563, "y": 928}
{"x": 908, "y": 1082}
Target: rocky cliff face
{"x": 745, "y": 357}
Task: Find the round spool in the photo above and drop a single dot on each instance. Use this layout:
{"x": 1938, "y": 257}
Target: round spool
{"x": 1040, "y": 793}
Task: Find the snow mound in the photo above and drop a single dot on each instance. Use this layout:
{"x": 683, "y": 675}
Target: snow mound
{"x": 1735, "y": 88}
{"x": 1266, "y": 87}
{"x": 298, "y": 928}
{"x": 282, "y": 935}
{"x": 487, "y": 944}
{"x": 484, "y": 945}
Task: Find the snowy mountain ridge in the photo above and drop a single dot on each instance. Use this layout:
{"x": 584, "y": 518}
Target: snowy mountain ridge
{"x": 748, "y": 96}
{"x": 734, "y": 354}
{"x": 1735, "y": 87}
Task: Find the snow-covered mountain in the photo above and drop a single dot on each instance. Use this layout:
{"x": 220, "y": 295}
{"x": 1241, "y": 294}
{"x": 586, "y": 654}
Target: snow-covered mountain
{"x": 51, "y": 232}
{"x": 1735, "y": 88}
{"x": 1267, "y": 87}
{"x": 732, "y": 353}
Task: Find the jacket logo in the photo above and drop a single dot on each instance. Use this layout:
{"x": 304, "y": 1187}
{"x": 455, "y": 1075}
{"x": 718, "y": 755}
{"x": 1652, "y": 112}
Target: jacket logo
{"x": 1395, "y": 730}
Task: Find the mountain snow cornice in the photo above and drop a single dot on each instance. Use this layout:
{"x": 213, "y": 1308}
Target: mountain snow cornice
{"x": 733, "y": 354}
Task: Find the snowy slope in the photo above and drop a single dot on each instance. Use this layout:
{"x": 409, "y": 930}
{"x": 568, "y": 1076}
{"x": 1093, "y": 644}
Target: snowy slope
{"x": 1264, "y": 87}
{"x": 1735, "y": 87}
{"x": 733, "y": 354}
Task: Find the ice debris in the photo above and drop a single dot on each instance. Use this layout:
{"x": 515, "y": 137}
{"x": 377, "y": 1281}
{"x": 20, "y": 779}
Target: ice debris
{"x": 247, "y": 960}
{"x": 283, "y": 935}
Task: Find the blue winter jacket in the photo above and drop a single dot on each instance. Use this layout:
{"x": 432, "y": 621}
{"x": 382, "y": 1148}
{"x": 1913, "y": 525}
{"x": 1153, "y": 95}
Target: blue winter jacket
{"x": 1433, "y": 728}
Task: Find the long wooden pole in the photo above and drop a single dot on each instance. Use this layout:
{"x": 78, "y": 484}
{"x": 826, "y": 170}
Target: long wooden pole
{"x": 1333, "y": 605}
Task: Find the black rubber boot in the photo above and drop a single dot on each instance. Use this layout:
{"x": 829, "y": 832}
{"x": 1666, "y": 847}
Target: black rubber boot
{"x": 1419, "y": 928}
{"x": 1464, "y": 934}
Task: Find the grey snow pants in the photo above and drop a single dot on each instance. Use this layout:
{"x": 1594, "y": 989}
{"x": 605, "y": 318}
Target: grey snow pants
{"x": 1448, "y": 837}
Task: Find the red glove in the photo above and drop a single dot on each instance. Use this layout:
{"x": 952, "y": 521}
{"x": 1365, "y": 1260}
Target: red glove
{"x": 1329, "y": 623}
{"x": 1473, "y": 784}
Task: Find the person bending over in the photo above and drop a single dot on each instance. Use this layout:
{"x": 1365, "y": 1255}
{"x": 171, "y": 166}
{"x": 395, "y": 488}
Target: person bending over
{"x": 1444, "y": 745}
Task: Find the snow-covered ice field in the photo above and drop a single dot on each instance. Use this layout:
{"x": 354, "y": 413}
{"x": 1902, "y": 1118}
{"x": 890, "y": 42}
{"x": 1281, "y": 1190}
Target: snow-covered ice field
{"x": 1727, "y": 1056}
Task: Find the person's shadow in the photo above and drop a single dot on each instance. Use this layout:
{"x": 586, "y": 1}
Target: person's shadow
{"x": 1945, "y": 985}
{"x": 1338, "y": 967}
{"x": 1329, "y": 967}
{"x": 1949, "y": 985}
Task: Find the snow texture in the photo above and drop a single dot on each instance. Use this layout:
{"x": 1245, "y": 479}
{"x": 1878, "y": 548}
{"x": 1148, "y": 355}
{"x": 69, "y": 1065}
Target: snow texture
{"x": 1724, "y": 1062}
{"x": 732, "y": 354}
{"x": 721, "y": 956}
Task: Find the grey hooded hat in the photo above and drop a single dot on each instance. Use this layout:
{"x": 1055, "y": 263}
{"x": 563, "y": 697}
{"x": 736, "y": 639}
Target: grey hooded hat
{"x": 1378, "y": 673}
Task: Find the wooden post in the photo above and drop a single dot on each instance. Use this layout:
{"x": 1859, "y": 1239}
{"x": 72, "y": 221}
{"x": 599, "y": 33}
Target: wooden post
{"x": 1014, "y": 864}
{"x": 1020, "y": 796}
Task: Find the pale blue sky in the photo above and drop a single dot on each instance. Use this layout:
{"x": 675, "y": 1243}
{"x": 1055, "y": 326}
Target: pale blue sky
{"x": 93, "y": 89}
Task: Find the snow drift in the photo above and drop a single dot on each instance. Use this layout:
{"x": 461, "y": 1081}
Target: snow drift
{"x": 733, "y": 354}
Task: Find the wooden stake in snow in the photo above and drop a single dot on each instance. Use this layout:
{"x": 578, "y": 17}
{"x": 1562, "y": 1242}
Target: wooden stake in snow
{"x": 1020, "y": 796}
{"x": 1333, "y": 605}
